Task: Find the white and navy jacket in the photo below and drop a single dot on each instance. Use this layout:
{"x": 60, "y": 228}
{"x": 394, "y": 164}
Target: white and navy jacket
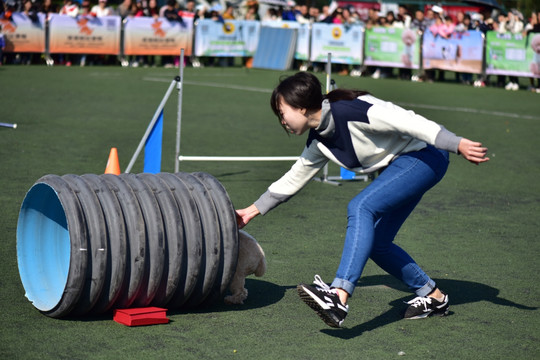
{"x": 361, "y": 135}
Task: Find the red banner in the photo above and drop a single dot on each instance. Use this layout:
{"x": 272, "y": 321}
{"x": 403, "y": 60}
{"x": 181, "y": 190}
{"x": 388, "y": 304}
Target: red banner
{"x": 24, "y": 35}
{"x": 84, "y": 34}
{"x": 149, "y": 36}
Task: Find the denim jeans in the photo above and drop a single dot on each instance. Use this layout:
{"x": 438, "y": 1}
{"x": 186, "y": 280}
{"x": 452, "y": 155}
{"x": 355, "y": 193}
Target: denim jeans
{"x": 377, "y": 213}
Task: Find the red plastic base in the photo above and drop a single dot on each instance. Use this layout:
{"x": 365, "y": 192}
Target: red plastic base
{"x": 141, "y": 316}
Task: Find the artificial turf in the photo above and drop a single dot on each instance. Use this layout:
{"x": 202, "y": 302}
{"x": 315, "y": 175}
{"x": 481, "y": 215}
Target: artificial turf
{"x": 475, "y": 233}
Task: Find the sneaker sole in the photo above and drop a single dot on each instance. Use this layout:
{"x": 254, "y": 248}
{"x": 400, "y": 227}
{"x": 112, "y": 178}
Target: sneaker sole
{"x": 439, "y": 313}
{"x": 323, "y": 314}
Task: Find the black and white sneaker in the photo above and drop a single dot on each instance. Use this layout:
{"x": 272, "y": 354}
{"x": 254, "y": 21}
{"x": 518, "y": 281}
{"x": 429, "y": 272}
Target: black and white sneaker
{"x": 424, "y": 306}
{"x": 325, "y": 301}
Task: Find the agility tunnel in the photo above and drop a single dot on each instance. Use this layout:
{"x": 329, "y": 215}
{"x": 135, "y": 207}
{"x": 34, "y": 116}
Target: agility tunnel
{"x": 92, "y": 243}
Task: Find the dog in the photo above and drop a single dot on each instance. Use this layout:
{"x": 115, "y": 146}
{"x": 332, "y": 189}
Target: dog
{"x": 251, "y": 260}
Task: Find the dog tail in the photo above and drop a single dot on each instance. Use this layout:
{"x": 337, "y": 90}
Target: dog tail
{"x": 261, "y": 268}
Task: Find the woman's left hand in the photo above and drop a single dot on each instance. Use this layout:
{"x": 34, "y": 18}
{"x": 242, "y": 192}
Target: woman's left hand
{"x": 473, "y": 151}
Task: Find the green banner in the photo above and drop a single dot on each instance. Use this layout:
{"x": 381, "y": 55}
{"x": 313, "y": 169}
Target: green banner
{"x": 393, "y": 47}
{"x": 513, "y": 54}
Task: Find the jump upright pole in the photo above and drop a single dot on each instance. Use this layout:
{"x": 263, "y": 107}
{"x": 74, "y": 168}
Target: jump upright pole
{"x": 180, "y": 87}
{"x": 324, "y": 179}
{"x": 152, "y": 123}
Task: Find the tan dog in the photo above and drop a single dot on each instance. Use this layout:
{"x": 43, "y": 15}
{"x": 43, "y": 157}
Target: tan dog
{"x": 251, "y": 260}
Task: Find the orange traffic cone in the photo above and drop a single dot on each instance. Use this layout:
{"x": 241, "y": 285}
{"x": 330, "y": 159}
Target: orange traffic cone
{"x": 113, "y": 166}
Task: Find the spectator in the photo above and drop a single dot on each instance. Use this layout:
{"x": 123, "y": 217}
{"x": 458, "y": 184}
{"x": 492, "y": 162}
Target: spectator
{"x": 47, "y": 8}
{"x": 463, "y": 25}
{"x": 150, "y": 8}
{"x": 448, "y": 27}
{"x": 30, "y": 11}
{"x": 171, "y": 12}
{"x": 125, "y": 9}
{"x": 70, "y": 8}
{"x": 403, "y": 20}
{"x": 314, "y": 14}
{"x": 419, "y": 22}
{"x": 228, "y": 14}
{"x": 463, "y": 22}
{"x": 388, "y": 21}
{"x": 324, "y": 14}
{"x": 487, "y": 23}
{"x": 301, "y": 14}
{"x": 272, "y": 14}
{"x": 137, "y": 9}
{"x": 169, "y": 4}
{"x": 337, "y": 16}
{"x": 514, "y": 24}
{"x": 85, "y": 8}
{"x": 101, "y": 9}
{"x": 200, "y": 12}
{"x": 287, "y": 13}
{"x": 252, "y": 11}
{"x": 404, "y": 17}
{"x": 442, "y": 28}
{"x": 391, "y": 20}
{"x": 349, "y": 17}
{"x": 373, "y": 17}
{"x": 382, "y": 21}
{"x": 189, "y": 7}
{"x": 533, "y": 26}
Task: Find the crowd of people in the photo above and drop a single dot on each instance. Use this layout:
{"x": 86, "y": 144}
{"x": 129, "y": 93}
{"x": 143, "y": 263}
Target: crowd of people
{"x": 431, "y": 19}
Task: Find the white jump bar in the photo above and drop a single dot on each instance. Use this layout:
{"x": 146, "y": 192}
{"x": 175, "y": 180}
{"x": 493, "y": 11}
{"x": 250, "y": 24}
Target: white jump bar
{"x": 237, "y": 158}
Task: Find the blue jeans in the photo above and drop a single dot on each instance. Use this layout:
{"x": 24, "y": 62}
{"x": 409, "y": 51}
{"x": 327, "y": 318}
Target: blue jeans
{"x": 377, "y": 213}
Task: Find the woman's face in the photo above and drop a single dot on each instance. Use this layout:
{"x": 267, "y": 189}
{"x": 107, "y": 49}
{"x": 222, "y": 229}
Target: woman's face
{"x": 293, "y": 119}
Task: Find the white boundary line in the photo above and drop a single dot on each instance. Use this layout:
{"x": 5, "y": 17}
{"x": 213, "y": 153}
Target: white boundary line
{"x": 469, "y": 110}
{"x": 422, "y": 106}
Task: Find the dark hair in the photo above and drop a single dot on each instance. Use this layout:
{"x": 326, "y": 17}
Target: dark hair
{"x": 344, "y": 94}
{"x": 303, "y": 90}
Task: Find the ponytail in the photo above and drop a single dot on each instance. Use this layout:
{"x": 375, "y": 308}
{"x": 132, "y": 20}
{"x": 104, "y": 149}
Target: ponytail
{"x": 344, "y": 94}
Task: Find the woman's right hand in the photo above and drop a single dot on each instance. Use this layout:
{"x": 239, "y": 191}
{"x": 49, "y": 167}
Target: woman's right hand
{"x": 244, "y": 216}
{"x": 473, "y": 151}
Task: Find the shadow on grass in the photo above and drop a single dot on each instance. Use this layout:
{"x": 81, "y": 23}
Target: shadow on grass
{"x": 260, "y": 294}
{"x": 460, "y": 292}
{"x": 263, "y": 294}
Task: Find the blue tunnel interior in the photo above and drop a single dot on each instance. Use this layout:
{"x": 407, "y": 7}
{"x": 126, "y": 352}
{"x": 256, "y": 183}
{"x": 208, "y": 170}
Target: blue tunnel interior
{"x": 43, "y": 247}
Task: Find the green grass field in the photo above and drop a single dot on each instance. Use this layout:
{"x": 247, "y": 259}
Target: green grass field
{"x": 476, "y": 233}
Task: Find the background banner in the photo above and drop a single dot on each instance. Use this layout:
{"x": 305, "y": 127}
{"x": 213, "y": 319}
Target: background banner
{"x": 392, "y": 47}
{"x": 462, "y": 52}
{"x": 302, "y": 38}
{"x": 84, "y": 34}
{"x": 513, "y": 54}
{"x": 226, "y": 39}
{"x": 24, "y": 35}
{"x": 344, "y": 42}
{"x": 149, "y": 36}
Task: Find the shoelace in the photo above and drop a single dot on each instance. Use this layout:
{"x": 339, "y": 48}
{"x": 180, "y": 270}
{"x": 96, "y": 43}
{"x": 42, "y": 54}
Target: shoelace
{"x": 419, "y": 301}
{"x": 321, "y": 284}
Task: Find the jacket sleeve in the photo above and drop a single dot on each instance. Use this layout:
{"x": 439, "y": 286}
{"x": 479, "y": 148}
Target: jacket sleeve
{"x": 302, "y": 171}
{"x": 388, "y": 117}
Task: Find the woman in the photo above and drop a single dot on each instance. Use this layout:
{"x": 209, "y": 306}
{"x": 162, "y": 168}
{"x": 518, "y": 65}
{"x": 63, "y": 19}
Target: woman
{"x": 364, "y": 134}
